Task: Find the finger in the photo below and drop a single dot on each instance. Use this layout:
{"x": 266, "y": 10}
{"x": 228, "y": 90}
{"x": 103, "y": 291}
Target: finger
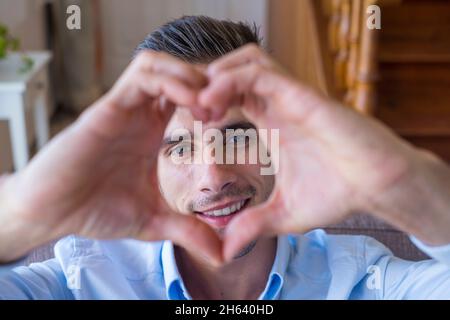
{"x": 200, "y": 113}
{"x": 183, "y": 96}
{"x": 140, "y": 92}
{"x": 192, "y": 234}
{"x": 172, "y": 88}
{"x": 245, "y": 228}
{"x": 217, "y": 112}
{"x": 167, "y": 78}
{"x": 185, "y": 80}
{"x": 233, "y": 83}
{"x": 143, "y": 88}
{"x": 250, "y": 53}
{"x": 163, "y": 63}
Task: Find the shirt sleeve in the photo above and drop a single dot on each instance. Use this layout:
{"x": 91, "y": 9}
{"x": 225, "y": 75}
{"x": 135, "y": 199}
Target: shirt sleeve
{"x": 424, "y": 280}
{"x": 39, "y": 281}
{"x": 4, "y": 268}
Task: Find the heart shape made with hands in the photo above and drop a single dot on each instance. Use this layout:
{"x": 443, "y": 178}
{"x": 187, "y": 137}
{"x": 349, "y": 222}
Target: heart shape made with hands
{"x": 211, "y": 102}
{"x": 117, "y": 195}
{"x": 319, "y": 182}
{"x": 206, "y": 113}
{"x": 99, "y": 179}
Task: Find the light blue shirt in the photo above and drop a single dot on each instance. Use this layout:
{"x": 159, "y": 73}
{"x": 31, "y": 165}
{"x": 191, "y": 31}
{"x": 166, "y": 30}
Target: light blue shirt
{"x": 311, "y": 266}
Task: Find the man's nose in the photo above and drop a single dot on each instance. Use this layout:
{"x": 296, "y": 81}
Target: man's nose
{"x": 216, "y": 178}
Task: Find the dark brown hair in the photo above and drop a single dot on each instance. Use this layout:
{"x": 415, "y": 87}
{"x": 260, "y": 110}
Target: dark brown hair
{"x": 199, "y": 39}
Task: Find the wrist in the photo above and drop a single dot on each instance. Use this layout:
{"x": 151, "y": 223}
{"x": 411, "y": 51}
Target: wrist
{"x": 433, "y": 221}
{"x": 16, "y": 240}
{"x": 419, "y": 202}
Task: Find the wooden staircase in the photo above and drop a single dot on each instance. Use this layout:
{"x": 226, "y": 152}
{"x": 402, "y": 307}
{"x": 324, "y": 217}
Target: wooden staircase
{"x": 401, "y": 73}
{"x": 414, "y": 73}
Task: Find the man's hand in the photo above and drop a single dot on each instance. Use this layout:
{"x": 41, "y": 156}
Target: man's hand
{"x": 333, "y": 161}
{"x": 98, "y": 177}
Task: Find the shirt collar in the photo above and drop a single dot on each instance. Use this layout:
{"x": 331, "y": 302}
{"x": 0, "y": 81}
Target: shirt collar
{"x": 176, "y": 290}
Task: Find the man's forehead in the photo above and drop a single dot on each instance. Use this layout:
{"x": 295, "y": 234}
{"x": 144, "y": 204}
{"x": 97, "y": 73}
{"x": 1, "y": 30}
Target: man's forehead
{"x": 183, "y": 119}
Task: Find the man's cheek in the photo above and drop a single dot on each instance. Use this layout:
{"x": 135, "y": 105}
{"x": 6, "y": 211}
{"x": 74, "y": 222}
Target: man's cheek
{"x": 175, "y": 185}
{"x": 166, "y": 186}
{"x": 264, "y": 184}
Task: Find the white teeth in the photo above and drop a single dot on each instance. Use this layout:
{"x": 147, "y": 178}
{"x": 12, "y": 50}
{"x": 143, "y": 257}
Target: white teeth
{"x": 226, "y": 211}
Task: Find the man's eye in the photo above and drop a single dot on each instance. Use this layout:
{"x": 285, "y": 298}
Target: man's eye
{"x": 238, "y": 140}
{"x": 181, "y": 150}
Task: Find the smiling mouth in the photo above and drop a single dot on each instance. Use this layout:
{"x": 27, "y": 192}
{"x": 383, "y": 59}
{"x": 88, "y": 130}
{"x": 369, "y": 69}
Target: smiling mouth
{"x": 221, "y": 216}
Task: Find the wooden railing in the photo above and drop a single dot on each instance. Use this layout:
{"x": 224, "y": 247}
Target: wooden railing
{"x": 354, "y": 50}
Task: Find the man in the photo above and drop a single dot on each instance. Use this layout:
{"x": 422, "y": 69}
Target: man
{"x": 219, "y": 230}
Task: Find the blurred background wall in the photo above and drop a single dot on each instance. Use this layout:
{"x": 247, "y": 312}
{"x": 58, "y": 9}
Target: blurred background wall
{"x": 126, "y": 23}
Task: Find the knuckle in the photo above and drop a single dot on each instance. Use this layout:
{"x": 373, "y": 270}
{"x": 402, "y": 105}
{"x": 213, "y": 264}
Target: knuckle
{"x": 146, "y": 59}
{"x": 145, "y": 55}
{"x": 254, "y": 49}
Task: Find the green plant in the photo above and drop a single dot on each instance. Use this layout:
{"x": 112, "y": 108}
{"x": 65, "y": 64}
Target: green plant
{"x": 7, "y": 42}
{"x": 10, "y": 43}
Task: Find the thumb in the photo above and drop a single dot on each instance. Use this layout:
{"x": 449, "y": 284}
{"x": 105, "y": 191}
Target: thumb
{"x": 245, "y": 228}
{"x": 194, "y": 235}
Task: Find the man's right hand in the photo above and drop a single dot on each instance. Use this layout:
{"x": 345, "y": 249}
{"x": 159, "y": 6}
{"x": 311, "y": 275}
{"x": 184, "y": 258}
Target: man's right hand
{"x": 98, "y": 177}
{"x": 333, "y": 161}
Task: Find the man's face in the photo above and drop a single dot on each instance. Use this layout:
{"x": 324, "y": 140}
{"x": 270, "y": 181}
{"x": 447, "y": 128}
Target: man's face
{"x": 211, "y": 191}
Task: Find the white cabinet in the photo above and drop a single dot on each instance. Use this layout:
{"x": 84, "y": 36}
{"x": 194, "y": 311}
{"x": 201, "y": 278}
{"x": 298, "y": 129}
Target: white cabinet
{"x": 24, "y": 104}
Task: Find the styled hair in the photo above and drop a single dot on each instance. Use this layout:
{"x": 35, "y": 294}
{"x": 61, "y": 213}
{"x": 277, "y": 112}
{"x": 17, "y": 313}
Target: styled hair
{"x": 200, "y": 39}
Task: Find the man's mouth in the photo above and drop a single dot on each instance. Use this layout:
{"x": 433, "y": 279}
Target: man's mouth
{"x": 221, "y": 215}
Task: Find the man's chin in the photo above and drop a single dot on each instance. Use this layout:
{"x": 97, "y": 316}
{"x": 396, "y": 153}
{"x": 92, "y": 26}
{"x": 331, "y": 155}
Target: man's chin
{"x": 246, "y": 250}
